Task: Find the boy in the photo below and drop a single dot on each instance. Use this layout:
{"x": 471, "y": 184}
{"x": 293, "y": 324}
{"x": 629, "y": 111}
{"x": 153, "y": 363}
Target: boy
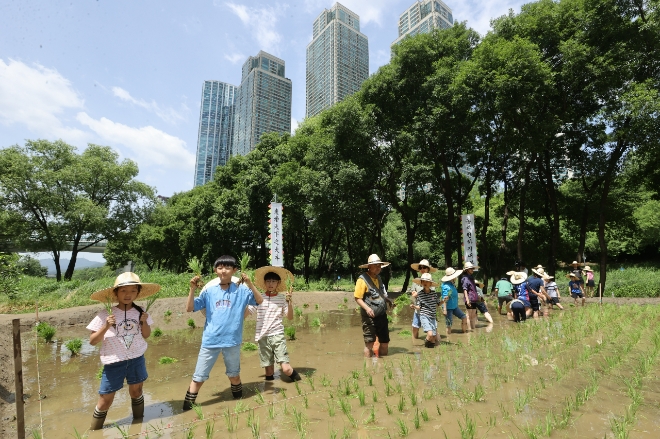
{"x": 225, "y": 304}
{"x": 553, "y": 292}
{"x": 423, "y": 267}
{"x": 123, "y": 333}
{"x": 575, "y": 288}
{"x": 270, "y": 330}
{"x": 504, "y": 290}
{"x": 450, "y": 298}
{"x": 428, "y": 304}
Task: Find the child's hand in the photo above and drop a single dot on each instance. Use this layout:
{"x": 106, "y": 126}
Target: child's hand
{"x": 414, "y": 293}
{"x": 194, "y": 282}
{"x": 110, "y": 321}
{"x": 289, "y": 296}
{"x": 246, "y": 280}
{"x": 143, "y": 318}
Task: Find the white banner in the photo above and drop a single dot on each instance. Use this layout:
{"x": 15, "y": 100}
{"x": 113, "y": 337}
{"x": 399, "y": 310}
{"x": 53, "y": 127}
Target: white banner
{"x": 469, "y": 239}
{"x": 276, "y": 247}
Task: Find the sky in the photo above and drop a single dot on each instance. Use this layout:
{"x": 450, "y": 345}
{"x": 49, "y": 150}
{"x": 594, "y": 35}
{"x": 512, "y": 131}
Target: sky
{"x": 129, "y": 73}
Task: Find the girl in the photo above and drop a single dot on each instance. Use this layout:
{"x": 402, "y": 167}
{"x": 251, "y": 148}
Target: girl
{"x": 423, "y": 267}
{"x": 428, "y": 304}
{"x": 590, "y": 281}
{"x": 123, "y": 332}
{"x": 518, "y": 279}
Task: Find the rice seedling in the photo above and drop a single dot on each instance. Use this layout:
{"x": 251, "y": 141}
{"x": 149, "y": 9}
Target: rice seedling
{"x": 374, "y": 396}
{"x": 157, "y": 332}
{"x": 74, "y": 346}
{"x": 191, "y": 323}
{"x": 231, "y": 421}
{"x": 255, "y": 427}
{"x": 250, "y": 418}
{"x": 325, "y": 380}
{"x": 316, "y": 307}
{"x": 36, "y": 434}
{"x": 99, "y": 373}
{"x": 370, "y": 380}
{"x": 283, "y": 393}
{"x": 271, "y": 411}
{"x": 168, "y": 313}
{"x": 285, "y": 408}
{"x": 75, "y": 434}
{"x": 413, "y": 399}
{"x": 355, "y": 374}
{"x": 503, "y": 410}
{"x": 297, "y": 311}
{"x": 297, "y": 388}
{"x": 331, "y": 409}
{"x": 388, "y": 408}
{"x": 305, "y": 402}
{"x": 198, "y": 411}
{"x": 299, "y": 421}
{"x": 240, "y": 407}
{"x": 399, "y": 388}
{"x": 425, "y": 415}
{"x": 167, "y": 360}
{"x": 346, "y": 433}
{"x": 150, "y": 302}
{"x": 310, "y": 381}
{"x": 108, "y": 304}
{"x": 259, "y": 397}
{"x": 333, "y": 433}
{"x": 210, "y": 429}
{"x": 249, "y": 347}
{"x": 196, "y": 267}
{"x": 290, "y": 332}
{"x": 468, "y": 429}
{"x": 416, "y": 422}
{"x": 245, "y": 263}
{"x": 316, "y": 323}
{"x": 372, "y": 416}
{"x": 437, "y": 409}
{"x": 46, "y": 331}
{"x": 361, "y": 397}
{"x": 124, "y": 432}
{"x": 401, "y": 404}
{"x": 403, "y": 428}
{"x": 479, "y": 393}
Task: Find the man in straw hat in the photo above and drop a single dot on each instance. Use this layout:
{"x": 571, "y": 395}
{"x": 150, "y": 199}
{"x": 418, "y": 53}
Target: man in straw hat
{"x": 422, "y": 267}
{"x": 575, "y": 269}
{"x": 269, "y": 332}
{"x": 225, "y": 305}
{"x": 536, "y": 289}
{"x": 428, "y": 306}
{"x": 122, "y": 329}
{"x": 575, "y": 288}
{"x": 450, "y": 297}
{"x": 371, "y": 295}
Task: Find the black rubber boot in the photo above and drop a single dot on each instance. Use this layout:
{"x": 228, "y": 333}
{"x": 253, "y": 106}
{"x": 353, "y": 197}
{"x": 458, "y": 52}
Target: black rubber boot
{"x": 295, "y": 376}
{"x": 137, "y": 404}
{"x": 98, "y": 419}
{"x": 237, "y": 390}
{"x": 189, "y": 401}
{"x": 429, "y": 344}
{"x": 270, "y": 377}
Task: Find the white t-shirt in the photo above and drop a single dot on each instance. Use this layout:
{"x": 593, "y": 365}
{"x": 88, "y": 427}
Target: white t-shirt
{"x": 124, "y": 341}
{"x": 269, "y": 316}
{"x": 551, "y": 288}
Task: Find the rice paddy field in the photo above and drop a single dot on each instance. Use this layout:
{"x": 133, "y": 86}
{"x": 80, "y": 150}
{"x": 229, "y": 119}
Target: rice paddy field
{"x": 587, "y": 372}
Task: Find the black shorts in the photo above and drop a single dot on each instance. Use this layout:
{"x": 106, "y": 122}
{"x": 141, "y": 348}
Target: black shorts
{"x": 535, "y": 304}
{"x": 553, "y": 300}
{"x": 376, "y": 327}
{"x": 472, "y": 305}
{"x": 590, "y": 283}
{"x": 481, "y": 306}
{"x": 504, "y": 299}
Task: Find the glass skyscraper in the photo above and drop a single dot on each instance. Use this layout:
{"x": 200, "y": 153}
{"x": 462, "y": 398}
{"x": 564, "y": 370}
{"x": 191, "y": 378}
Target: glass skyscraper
{"x": 263, "y": 103}
{"x": 423, "y": 17}
{"x": 216, "y": 123}
{"x": 337, "y": 58}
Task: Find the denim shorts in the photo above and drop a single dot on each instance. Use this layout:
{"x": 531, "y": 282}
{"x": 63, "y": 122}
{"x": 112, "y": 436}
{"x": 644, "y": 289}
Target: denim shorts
{"x": 416, "y": 323}
{"x": 429, "y": 324}
{"x": 134, "y": 371}
{"x": 481, "y": 306}
{"x": 451, "y": 313}
{"x": 208, "y": 356}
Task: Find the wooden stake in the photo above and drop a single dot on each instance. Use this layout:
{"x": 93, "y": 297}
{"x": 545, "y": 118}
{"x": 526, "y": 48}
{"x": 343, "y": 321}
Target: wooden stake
{"x": 18, "y": 378}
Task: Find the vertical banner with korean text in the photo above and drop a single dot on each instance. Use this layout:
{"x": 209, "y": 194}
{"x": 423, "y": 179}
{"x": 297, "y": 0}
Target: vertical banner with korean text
{"x": 469, "y": 239}
{"x": 276, "y": 248}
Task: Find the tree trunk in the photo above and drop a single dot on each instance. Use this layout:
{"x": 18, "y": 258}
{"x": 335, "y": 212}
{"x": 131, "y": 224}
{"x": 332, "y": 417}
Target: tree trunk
{"x": 447, "y": 191}
{"x": 505, "y": 223}
{"x": 410, "y": 240}
{"x": 521, "y": 213}
{"x": 58, "y": 269}
{"x": 484, "y": 230}
{"x": 583, "y": 232}
{"x": 552, "y": 199}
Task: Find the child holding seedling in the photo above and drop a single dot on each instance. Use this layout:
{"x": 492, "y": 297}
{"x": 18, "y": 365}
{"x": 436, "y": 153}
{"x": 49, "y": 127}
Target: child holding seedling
{"x": 270, "y": 329}
{"x": 428, "y": 305}
{"x": 225, "y": 304}
{"x": 123, "y": 330}
{"x": 423, "y": 267}
{"x": 450, "y": 298}
{"x": 575, "y": 288}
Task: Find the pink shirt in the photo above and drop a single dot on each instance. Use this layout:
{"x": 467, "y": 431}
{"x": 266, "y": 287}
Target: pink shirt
{"x": 269, "y": 316}
{"x": 124, "y": 341}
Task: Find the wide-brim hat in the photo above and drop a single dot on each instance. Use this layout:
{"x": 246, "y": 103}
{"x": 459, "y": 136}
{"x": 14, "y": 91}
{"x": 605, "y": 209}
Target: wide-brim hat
{"x": 518, "y": 277}
{"x": 425, "y": 263}
{"x": 509, "y": 273}
{"x": 282, "y": 272}
{"x": 546, "y": 276}
{"x": 571, "y": 274}
{"x": 425, "y": 277}
{"x": 587, "y": 268}
{"x": 539, "y": 271}
{"x": 126, "y": 279}
{"x": 451, "y": 274}
{"x": 469, "y": 265}
{"x": 374, "y": 260}
{"x": 575, "y": 263}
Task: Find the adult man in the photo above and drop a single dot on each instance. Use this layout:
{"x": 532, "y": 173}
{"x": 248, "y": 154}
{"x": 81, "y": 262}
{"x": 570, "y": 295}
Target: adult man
{"x": 503, "y": 289}
{"x": 371, "y": 296}
{"x": 536, "y": 290}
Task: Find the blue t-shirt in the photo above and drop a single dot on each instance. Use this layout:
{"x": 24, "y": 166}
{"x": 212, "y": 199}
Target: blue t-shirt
{"x": 535, "y": 283}
{"x": 448, "y": 287}
{"x": 521, "y": 291}
{"x": 574, "y": 285}
{"x": 224, "y": 314}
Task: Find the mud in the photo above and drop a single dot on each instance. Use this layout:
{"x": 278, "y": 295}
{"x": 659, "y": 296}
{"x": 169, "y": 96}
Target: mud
{"x": 441, "y": 384}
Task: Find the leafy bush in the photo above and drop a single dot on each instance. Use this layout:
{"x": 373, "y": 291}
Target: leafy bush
{"x": 46, "y": 331}
{"x": 290, "y": 332}
{"x": 74, "y": 346}
{"x": 248, "y": 346}
{"x": 631, "y": 282}
{"x": 9, "y": 275}
{"x": 30, "y": 266}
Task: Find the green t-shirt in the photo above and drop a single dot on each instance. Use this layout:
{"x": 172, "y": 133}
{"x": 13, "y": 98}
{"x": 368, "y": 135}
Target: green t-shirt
{"x": 504, "y": 288}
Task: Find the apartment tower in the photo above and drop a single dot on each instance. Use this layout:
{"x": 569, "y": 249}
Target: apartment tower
{"x": 422, "y": 17}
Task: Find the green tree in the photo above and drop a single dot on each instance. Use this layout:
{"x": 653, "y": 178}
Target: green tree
{"x": 30, "y": 266}
{"x": 70, "y": 201}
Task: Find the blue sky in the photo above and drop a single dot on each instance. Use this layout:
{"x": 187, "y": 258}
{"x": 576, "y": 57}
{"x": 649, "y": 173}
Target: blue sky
{"x": 129, "y": 74}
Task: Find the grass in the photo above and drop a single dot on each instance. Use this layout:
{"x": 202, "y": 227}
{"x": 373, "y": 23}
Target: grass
{"x": 157, "y": 332}
{"x": 249, "y": 347}
{"x": 290, "y": 332}
{"x": 167, "y": 360}
{"x": 74, "y": 346}
{"x": 99, "y": 373}
{"x": 46, "y": 331}
{"x": 191, "y": 323}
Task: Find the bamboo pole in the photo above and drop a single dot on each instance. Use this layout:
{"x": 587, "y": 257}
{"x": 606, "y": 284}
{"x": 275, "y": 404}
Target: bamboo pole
{"x": 18, "y": 379}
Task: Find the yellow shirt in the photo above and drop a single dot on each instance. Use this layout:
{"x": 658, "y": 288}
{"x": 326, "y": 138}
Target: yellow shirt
{"x": 361, "y": 287}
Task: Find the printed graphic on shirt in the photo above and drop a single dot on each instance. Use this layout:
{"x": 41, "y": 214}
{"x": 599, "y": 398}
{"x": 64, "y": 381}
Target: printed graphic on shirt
{"x": 223, "y": 303}
{"x": 126, "y": 330}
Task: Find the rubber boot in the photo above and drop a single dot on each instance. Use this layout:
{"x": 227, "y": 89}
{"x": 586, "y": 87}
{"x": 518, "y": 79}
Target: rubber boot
{"x": 189, "y": 400}
{"x": 137, "y": 404}
{"x": 237, "y": 390}
{"x": 98, "y": 419}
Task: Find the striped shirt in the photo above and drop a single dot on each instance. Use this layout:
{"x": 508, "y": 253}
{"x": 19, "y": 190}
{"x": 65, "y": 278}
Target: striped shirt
{"x": 551, "y": 289}
{"x": 269, "y": 316}
{"x": 428, "y": 303}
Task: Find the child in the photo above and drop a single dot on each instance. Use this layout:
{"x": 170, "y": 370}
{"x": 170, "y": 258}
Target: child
{"x": 423, "y": 267}
{"x": 553, "y": 292}
{"x": 428, "y": 305}
{"x": 225, "y": 304}
{"x": 504, "y": 291}
{"x": 450, "y": 298}
{"x": 123, "y": 334}
{"x": 589, "y": 273}
{"x": 518, "y": 280}
{"x": 575, "y": 288}
{"x": 270, "y": 330}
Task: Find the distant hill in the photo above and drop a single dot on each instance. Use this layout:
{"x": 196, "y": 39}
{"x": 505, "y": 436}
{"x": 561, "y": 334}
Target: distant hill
{"x": 80, "y": 263}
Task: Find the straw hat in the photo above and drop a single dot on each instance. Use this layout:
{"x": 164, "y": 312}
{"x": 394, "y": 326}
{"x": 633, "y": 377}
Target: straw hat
{"x": 539, "y": 271}
{"x": 282, "y": 272}
{"x": 587, "y": 268}
{"x": 374, "y": 260}
{"x": 518, "y": 277}
{"x": 574, "y": 263}
{"x": 451, "y": 274}
{"x": 425, "y": 263}
{"x": 123, "y": 280}
{"x": 479, "y": 284}
{"x": 425, "y": 277}
{"x": 546, "y": 276}
{"x": 510, "y": 273}
{"x": 573, "y": 275}
{"x": 469, "y": 265}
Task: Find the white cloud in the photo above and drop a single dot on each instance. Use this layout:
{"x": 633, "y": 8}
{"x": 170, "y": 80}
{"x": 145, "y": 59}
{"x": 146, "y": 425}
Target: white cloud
{"x": 261, "y": 23}
{"x": 38, "y": 98}
{"x": 168, "y": 114}
{"x": 294, "y": 126}
{"x": 235, "y": 57}
{"x": 369, "y": 11}
{"x": 479, "y": 14}
{"x": 149, "y": 145}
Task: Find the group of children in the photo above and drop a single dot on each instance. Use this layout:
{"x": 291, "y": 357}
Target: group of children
{"x": 225, "y": 300}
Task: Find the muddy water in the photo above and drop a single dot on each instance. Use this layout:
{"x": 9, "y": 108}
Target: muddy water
{"x": 410, "y": 384}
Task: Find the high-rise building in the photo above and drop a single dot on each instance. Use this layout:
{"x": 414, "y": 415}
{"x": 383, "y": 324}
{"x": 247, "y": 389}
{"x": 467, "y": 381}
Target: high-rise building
{"x": 263, "y": 103}
{"x": 422, "y": 17}
{"x": 337, "y": 58}
{"x": 216, "y": 120}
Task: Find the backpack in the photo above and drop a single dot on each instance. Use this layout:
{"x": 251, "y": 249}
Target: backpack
{"x": 374, "y": 298}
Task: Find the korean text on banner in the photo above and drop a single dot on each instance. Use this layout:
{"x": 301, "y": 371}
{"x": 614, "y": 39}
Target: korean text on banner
{"x": 469, "y": 239}
{"x": 276, "y": 248}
